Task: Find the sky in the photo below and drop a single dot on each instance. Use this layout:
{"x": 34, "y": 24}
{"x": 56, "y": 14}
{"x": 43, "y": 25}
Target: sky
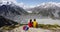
{"x": 36, "y": 2}
{"x": 29, "y": 3}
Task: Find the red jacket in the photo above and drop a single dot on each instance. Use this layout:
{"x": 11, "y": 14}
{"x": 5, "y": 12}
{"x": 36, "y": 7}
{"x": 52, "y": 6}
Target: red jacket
{"x": 30, "y": 24}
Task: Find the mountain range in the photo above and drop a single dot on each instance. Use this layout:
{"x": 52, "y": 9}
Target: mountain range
{"x": 6, "y": 22}
{"x": 50, "y": 9}
{"x": 11, "y": 10}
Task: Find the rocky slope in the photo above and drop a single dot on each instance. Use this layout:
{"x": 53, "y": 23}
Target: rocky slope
{"x": 50, "y": 9}
{"x": 11, "y": 10}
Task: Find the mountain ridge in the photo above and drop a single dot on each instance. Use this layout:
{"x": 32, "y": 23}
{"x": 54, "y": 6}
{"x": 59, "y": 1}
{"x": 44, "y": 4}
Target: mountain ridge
{"x": 50, "y": 9}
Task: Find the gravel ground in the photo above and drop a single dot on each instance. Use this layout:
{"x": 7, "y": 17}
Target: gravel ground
{"x": 39, "y": 30}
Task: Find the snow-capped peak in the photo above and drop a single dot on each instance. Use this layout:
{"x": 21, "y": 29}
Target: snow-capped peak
{"x": 4, "y": 2}
{"x": 48, "y": 4}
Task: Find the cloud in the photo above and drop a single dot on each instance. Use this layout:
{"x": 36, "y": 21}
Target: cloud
{"x": 8, "y": 0}
{"x": 5, "y": 1}
{"x": 21, "y": 4}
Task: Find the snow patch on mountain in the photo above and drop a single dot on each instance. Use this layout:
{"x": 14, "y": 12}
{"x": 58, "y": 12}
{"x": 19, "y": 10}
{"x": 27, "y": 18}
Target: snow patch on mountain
{"x": 47, "y": 9}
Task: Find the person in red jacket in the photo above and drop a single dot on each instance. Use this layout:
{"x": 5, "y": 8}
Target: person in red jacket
{"x": 30, "y": 23}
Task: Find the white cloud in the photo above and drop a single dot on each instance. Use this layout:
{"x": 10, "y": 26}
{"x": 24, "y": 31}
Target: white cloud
{"x": 21, "y": 4}
{"x": 5, "y": 1}
{"x": 8, "y": 0}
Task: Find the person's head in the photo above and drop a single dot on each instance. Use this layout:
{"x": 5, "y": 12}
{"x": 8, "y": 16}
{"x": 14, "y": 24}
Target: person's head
{"x": 30, "y": 20}
{"x": 34, "y": 19}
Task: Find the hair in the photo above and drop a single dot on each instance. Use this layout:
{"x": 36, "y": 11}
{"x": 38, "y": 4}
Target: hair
{"x": 30, "y": 20}
{"x": 34, "y": 19}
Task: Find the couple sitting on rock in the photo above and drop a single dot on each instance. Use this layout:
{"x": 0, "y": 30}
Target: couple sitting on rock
{"x": 32, "y": 24}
